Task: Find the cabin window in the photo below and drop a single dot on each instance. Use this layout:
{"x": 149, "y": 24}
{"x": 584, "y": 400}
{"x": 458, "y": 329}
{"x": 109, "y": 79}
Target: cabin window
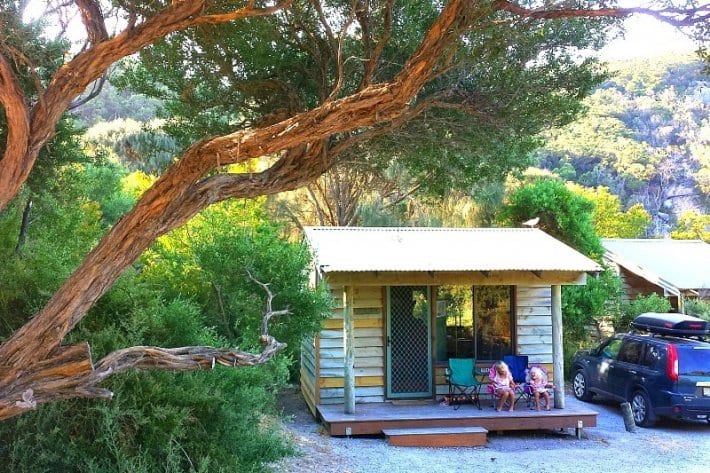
{"x": 474, "y": 322}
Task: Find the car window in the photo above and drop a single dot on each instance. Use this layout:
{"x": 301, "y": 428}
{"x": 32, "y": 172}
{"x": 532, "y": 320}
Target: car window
{"x": 630, "y": 351}
{"x": 694, "y": 361}
{"x": 653, "y": 356}
{"x": 611, "y": 349}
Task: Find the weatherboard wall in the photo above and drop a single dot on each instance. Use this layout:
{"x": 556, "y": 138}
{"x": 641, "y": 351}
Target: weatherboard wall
{"x": 369, "y": 316}
{"x": 322, "y": 357}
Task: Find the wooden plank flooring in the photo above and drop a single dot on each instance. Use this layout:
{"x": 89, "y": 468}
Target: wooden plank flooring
{"x": 373, "y": 418}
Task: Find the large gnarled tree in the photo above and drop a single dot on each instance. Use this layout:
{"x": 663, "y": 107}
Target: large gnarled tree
{"x": 305, "y": 140}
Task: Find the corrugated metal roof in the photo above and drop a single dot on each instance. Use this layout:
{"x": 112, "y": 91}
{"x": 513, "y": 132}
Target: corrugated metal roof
{"x": 353, "y": 249}
{"x": 683, "y": 263}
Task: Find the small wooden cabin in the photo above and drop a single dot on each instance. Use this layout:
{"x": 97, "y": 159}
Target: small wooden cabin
{"x": 408, "y": 299}
{"x": 674, "y": 269}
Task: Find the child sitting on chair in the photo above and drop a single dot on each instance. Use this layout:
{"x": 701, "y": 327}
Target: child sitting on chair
{"x": 503, "y": 385}
{"x": 538, "y": 386}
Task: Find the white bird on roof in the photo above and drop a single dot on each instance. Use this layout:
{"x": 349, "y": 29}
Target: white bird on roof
{"x": 532, "y": 222}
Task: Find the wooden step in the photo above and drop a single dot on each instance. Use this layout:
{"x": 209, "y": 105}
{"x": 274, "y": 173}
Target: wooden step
{"x": 437, "y": 437}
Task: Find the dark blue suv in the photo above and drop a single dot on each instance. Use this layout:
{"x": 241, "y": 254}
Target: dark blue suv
{"x": 662, "y": 368}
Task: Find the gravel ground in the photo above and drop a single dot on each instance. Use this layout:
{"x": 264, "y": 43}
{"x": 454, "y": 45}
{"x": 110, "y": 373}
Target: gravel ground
{"x": 605, "y": 448}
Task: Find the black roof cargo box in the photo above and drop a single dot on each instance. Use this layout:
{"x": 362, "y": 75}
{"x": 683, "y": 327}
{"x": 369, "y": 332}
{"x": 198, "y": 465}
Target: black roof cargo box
{"x": 672, "y": 324}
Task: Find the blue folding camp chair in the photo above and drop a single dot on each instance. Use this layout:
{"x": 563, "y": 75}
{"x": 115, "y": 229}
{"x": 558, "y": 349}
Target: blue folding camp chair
{"x": 463, "y": 384}
{"x": 518, "y": 365}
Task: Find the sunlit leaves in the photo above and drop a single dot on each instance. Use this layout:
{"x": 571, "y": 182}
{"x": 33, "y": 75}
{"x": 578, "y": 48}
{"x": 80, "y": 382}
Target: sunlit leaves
{"x": 692, "y": 226}
{"x": 610, "y": 221}
{"x": 209, "y": 261}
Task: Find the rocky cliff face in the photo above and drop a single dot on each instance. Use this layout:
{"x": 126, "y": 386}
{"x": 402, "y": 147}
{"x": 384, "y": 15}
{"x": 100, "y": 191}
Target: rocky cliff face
{"x": 646, "y": 137}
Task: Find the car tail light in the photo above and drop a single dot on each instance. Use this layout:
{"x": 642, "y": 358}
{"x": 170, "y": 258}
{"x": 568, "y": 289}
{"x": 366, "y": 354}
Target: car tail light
{"x": 672, "y": 366}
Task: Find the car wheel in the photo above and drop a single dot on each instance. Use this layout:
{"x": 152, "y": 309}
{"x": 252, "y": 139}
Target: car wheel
{"x": 580, "y": 387}
{"x": 642, "y": 409}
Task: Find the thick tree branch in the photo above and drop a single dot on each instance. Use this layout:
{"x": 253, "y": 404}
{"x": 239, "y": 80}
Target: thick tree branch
{"x": 93, "y": 20}
{"x": 72, "y": 79}
{"x": 69, "y": 373}
{"x": 15, "y": 159}
{"x": 671, "y": 15}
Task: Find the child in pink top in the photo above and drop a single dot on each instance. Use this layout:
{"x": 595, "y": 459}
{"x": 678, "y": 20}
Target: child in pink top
{"x": 538, "y": 385}
{"x": 503, "y": 385}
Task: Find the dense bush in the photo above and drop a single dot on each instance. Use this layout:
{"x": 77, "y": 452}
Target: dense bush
{"x": 192, "y": 288}
{"x": 197, "y": 421}
{"x": 562, "y": 213}
{"x": 648, "y": 303}
{"x": 698, "y": 308}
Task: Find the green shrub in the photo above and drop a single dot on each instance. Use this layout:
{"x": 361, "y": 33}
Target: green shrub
{"x": 698, "y": 308}
{"x": 649, "y": 303}
{"x": 215, "y": 421}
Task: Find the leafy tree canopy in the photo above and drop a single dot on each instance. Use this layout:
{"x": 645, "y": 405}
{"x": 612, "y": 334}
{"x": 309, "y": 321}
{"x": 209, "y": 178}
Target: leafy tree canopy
{"x": 562, "y": 213}
{"x": 692, "y": 226}
{"x": 475, "y": 121}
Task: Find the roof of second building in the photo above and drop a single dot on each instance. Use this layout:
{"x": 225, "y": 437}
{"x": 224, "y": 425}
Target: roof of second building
{"x": 683, "y": 263}
{"x": 352, "y": 249}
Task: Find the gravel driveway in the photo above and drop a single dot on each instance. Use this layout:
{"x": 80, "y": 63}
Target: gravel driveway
{"x": 607, "y": 448}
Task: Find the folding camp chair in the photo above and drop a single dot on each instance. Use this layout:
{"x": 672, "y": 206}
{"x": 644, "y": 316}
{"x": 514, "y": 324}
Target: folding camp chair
{"x": 463, "y": 385}
{"x": 518, "y": 365}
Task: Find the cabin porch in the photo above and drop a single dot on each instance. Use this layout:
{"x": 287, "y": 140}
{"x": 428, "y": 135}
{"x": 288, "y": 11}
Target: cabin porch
{"x": 373, "y": 418}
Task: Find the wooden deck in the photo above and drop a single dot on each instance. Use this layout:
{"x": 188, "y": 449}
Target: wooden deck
{"x": 373, "y": 418}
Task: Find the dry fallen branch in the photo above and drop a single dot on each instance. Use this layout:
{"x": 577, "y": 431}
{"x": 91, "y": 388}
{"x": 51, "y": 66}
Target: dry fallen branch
{"x": 69, "y": 373}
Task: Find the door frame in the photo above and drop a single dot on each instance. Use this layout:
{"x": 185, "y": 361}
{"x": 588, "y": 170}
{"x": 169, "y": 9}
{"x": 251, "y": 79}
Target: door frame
{"x": 388, "y": 350}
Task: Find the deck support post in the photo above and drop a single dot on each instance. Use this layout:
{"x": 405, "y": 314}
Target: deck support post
{"x": 558, "y": 364}
{"x": 349, "y": 351}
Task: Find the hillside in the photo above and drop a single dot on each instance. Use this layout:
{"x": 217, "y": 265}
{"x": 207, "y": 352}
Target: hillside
{"x": 646, "y": 136}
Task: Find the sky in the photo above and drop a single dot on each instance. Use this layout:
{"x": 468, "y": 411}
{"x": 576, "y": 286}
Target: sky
{"x": 646, "y": 36}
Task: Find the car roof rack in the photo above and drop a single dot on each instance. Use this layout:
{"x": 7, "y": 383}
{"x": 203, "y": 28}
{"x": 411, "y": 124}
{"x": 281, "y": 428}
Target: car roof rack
{"x": 678, "y": 325}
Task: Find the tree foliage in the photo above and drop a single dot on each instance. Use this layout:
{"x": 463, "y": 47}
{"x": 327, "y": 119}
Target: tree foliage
{"x": 609, "y": 220}
{"x": 692, "y": 226}
{"x": 472, "y": 124}
{"x": 211, "y": 261}
{"x": 216, "y": 420}
{"x": 562, "y": 214}
{"x": 641, "y": 304}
